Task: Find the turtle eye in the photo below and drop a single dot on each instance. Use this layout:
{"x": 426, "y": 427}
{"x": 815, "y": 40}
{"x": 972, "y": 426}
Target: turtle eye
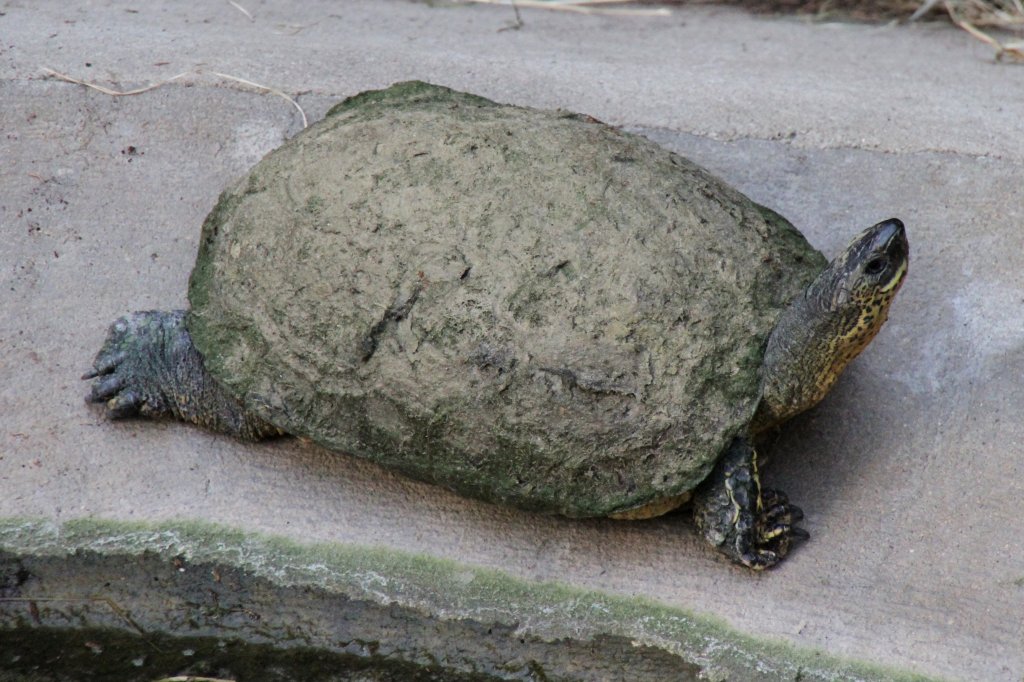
{"x": 876, "y": 266}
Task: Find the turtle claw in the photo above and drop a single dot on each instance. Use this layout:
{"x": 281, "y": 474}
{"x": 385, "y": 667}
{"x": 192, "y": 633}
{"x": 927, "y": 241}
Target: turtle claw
{"x": 751, "y": 526}
{"x": 770, "y": 497}
{"x": 798, "y": 533}
{"x": 773, "y": 544}
{"x": 761, "y": 559}
{"x": 106, "y": 388}
{"x": 126, "y": 373}
{"x": 779, "y": 513}
{"x": 782, "y": 531}
{"x": 105, "y": 363}
{"x": 148, "y": 367}
{"x": 127, "y": 404}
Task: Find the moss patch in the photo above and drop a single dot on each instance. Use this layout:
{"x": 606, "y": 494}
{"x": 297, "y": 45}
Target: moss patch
{"x": 407, "y": 93}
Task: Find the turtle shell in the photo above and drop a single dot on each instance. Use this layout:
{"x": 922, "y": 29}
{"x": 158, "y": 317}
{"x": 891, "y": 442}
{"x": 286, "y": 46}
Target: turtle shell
{"x": 528, "y": 307}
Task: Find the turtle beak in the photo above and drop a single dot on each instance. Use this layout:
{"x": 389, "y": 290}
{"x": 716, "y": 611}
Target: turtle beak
{"x": 890, "y": 237}
{"x": 887, "y": 238}
{"x": 877, "y": 258}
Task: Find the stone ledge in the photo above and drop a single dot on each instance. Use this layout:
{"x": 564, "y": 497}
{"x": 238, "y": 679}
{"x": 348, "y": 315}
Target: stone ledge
{"x": 140, "y": 601}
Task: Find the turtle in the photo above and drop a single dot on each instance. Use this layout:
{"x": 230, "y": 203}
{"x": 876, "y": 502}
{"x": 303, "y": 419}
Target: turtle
{"x": 528, "y": 307}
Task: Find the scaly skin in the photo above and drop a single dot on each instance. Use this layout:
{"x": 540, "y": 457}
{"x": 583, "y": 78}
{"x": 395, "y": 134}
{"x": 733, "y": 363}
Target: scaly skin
{"x": 823, "y": 330}
{"x": 813, "y": 341}
{"x": 149, "y": 367}
{"x": 750, "y": 525}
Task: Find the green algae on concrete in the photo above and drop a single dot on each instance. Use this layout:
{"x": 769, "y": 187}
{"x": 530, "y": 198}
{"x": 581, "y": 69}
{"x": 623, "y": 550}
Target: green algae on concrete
{"x": 170, "y": 598}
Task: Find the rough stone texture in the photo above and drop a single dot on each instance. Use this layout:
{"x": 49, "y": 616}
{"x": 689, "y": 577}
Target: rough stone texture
{"x": 910, "y": 471}
{"x": 524, "y": 306}
{"x": 144, "y": 601}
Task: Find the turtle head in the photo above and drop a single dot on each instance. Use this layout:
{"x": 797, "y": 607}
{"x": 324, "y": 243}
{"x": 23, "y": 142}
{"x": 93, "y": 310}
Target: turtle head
{"x": 861, "y": 282}
{"x": 832, "y": 322}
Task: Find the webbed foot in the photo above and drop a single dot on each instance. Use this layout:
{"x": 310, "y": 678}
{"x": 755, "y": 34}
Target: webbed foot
{"x": 751, "y": 526}
{"x": 148, "y": 367}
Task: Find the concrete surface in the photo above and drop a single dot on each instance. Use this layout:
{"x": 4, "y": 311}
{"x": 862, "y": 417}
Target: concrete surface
{"x": 910, "y": 473}
{"x": 141, "y": 601}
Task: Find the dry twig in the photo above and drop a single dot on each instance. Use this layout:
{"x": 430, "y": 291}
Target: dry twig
{"x": 108, "y": 91}
{"x": 273, "y": 91}
{"x": 989, "y": 16}
{"x": 582, "y": 7}
{"x": 241, "y": 9}
{"x": 154, "y": 86}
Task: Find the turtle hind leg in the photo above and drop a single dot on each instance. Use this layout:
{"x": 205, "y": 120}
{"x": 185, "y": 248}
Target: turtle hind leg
{"x": 751, "y": 526}
{"x": 148, "y": 367}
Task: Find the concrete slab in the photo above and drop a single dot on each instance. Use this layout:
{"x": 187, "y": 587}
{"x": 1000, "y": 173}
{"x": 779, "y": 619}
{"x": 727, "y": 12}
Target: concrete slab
{"x": 130, "y": 601}
{"x": 911, "y": 472}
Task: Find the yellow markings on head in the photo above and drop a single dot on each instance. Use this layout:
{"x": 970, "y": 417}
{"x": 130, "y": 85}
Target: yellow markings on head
{"x": 838, "y": 316}
{"x": 846, "y": 345}
{"x": 896, "y": 281}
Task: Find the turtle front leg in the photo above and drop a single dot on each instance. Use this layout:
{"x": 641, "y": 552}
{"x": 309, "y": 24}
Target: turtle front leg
{"x": 148, "y": 367}
{"x": 751, "y": 526}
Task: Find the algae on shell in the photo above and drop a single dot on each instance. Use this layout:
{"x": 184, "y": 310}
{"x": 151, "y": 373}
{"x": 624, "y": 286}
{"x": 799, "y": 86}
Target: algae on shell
{"x": 524, "y": 306}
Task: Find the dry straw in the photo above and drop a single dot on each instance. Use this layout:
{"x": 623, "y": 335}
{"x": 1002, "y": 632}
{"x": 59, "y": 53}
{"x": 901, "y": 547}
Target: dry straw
{"x": 580, "y": 7}
{"x": 154, "y": 86}
{"x": 242, "y": 10}
{"x": 972, "y": 15}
